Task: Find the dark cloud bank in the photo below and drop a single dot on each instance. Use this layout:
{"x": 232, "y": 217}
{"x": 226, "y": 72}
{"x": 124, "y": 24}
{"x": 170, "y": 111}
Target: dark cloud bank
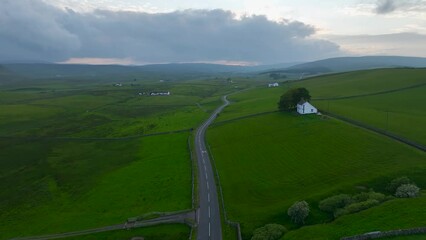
{"x": 389, "y": 6}
{"x": 34, "y": 30}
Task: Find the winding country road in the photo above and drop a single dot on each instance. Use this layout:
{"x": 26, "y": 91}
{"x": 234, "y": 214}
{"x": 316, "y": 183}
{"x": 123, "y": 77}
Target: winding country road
{"x": 208, "y": 214}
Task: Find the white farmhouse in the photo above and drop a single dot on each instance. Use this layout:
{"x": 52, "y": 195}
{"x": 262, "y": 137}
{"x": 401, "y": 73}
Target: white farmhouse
{"x": 304, "y": 107}
{"x": 273, "y": 85}
{"x": 159, "y": 94}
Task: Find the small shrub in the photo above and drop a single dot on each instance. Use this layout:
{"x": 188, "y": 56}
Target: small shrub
{"x": 380, "y": 197}
{"x": 394, "y": 184}
{"x": 269, "y": 232}
{"x": 407, "y": 191}
{"x": 345, "y": 204}
{"x": 364, "y": 196}
{"x": 356, "y": 207}
{"x": 298, "y": 212}
{"x": 333, "y": 203}
{"x": 361, "y": 197}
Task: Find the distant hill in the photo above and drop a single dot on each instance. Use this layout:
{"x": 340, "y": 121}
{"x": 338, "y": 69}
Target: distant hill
{"x": 194, "y": 70}
{"x": 345, "y": 64}
{"x": 77, "y": 70}
{"x": 48, "y": 70}
{"x": 7, "y": 77}
{"x": 42, "y": 70}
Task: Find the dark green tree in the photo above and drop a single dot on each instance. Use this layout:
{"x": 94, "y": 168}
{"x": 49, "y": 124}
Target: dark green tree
{"x": 407, "y": 191}
{"x": 394, "y": 184}
{"x": 289, "y": 100}
{"x": 298, "y": 212}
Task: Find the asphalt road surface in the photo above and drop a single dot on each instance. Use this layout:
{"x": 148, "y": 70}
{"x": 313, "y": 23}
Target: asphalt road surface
{"x": 208, "y": 215}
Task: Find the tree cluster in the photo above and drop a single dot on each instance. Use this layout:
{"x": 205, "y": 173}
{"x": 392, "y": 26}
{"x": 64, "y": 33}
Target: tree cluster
{"x": 343, "y": 204}
{"x": 288, "y": 101}
{"x": 269, "y": 232}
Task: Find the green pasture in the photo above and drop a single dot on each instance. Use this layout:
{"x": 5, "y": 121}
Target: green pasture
{"x": 83, "y": 179}
{"x": 268, "y": 162}
{"x": 103, "y": 110}
{"x": 58, "y": 186}
{"x": 362, "y": 82}
{"x": 402, "y": 113}
{"x": 391, "y": 215}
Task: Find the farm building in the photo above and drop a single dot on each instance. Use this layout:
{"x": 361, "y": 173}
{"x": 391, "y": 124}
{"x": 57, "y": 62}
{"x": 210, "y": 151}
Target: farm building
{"x": 273, "y": 85}
{"x": 159, "y": 94}
{"x": 304, "y": 107}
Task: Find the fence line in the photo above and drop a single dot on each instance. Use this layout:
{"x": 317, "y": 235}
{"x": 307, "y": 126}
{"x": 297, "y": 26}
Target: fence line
{"x": 31, "y": 138}
{"x": 229, "y": 222}
{"x": 385, "y": 234}
{"x": 377, "y": 130}
{"x": 371, "y": 94}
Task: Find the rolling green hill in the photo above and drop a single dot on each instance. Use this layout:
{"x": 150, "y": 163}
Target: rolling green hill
{"x": 268, "y": 162}
{"x": 344, "y": 64}
{"x": 385, "y": 98}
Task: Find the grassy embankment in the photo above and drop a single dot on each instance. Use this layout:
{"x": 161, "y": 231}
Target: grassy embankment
{"x": 395, "y": 214}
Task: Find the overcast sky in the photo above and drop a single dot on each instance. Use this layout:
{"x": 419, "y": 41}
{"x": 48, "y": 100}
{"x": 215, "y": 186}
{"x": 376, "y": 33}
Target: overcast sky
{"x": 216, "y": 31}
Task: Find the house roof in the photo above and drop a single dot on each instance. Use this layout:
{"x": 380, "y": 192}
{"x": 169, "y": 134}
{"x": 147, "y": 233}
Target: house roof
{"x": 301, "y": 102}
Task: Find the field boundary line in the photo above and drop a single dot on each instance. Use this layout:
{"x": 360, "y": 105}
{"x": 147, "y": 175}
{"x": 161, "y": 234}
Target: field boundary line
{"x": 236, "y": 225}
{"x": 385, "y": 234}
{"x": 31, "y": 138}
{"x": 377, "y": 130}
{"x": 372, "y": 94}
{"x": 243, "y": 117}
{"x": 193, "y": 166}
{"x": 166, "y": 218}
{"x": 194, "y": 197}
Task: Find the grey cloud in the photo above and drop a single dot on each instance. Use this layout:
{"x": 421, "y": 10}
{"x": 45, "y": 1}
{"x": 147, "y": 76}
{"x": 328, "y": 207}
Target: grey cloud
{"x": 385, "y": 6}
{"x": 389, "y": 6}
{"x": 31, "y": 29}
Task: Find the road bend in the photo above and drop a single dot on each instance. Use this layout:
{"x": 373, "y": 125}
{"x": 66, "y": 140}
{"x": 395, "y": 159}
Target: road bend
{"x": 208, "y": 214}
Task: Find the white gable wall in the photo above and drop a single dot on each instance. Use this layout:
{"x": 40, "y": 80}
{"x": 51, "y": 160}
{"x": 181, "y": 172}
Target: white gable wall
{"x": 306, "y": 108}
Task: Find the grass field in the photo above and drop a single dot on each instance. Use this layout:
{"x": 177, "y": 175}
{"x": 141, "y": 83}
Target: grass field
{"x": 401, "y": 112}
{"x": 362, "y": 82}
{"x": 266, "y": 163}
{"x": 391, "y": 215}
{"x": 58, "y": 172}
{"x": 50, "y": 187}
{"x": 103, "y": 112}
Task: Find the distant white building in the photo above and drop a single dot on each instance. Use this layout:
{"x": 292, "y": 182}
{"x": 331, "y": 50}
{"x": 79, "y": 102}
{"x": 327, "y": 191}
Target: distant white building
{"x": 304, "y": 107}
{"x": 159, "y": 94}
{"x": 273, "y": 85}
